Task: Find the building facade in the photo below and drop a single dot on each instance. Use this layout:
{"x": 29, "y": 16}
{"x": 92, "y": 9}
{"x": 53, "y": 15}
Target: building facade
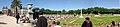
{"x": 23, "y": 10}
{"x": 5, "y": 10}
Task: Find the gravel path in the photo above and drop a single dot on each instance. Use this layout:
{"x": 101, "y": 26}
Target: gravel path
{"x": 8, "y": 21}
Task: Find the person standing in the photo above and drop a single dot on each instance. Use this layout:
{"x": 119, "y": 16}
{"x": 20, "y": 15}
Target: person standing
{"x": 17, "y": 17}
{"x": 36, "y": 13}
{"x": 42, "y": 22}
{"x": 35, "y": 16}
{"x": 87, "y": 23}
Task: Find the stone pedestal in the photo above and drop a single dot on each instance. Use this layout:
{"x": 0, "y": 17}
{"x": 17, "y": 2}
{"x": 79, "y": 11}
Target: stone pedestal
{"x": 81, "y": 17}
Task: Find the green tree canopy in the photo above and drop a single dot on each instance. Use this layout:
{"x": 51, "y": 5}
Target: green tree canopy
{"x": 93, "y": 10}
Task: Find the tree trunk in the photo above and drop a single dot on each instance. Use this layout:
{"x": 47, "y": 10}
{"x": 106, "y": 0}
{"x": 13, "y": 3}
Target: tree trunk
{"x": 15, "y": 12}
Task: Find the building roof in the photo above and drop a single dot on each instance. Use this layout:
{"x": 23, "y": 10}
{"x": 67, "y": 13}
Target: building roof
{"x": 4, "y": 7}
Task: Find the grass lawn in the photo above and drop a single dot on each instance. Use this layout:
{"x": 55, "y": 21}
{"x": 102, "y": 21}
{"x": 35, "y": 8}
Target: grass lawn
{"x": 95, "y": 20}
{"x": 99, "y": 19}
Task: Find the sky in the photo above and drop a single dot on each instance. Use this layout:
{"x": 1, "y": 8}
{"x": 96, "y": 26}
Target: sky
{"x": 65, "y": 4}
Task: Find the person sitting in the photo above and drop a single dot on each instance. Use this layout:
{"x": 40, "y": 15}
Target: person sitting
{"x": 53, "y": 24}
{"x": 113, "y": 23}
{"x": 109, "y": 25}
{"x": 57, "y": 24}
{"x": 119, "y": 24}
{"x": 87, "y": 23}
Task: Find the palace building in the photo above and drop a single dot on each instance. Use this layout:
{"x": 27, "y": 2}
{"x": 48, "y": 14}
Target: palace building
{"x": 5, "y": 10}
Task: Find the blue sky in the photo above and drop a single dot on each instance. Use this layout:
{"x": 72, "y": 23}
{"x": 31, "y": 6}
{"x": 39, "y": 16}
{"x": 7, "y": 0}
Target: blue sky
{"x": 65, "y": 4}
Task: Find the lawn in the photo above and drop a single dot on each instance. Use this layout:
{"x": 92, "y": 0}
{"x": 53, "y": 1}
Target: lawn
{"x": 97, "y": 21}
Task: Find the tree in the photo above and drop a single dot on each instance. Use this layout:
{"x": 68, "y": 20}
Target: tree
{"x": 63, "y": 11}
{"x": 20, "y": 6}
{"x": 15, "y": 4}
{"x": 35, "y": 9}
{"x": 70, "y": 12}
{"x": 94, "y": 10}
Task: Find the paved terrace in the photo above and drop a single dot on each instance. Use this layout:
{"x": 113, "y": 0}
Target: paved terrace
{"x": 9, "y": 21}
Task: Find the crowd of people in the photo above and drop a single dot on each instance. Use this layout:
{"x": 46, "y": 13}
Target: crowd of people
{"x": 22, "y": 18}
{"x": 42, "y": 20}
{"x": 55, "y": 24}
{"x": 57, "y": 17}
